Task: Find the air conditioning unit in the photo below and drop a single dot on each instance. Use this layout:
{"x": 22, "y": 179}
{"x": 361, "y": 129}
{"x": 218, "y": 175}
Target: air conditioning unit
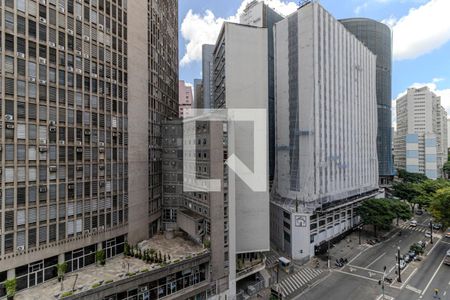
{"x": 70, "y": 186}
{"x": 42, "y": 60}
{"x": 86, "y": 231}
{"x": 52, "y": 123}
{"x": 101, "y": 144}
{"x": 78, "y": 52}
{"x": 32, "y": 79}
{"x": 21, "y": 248}
{"x": 101, "y": 167}
{"x": 70, "y": 69}
{"x": 79, "y": 18}
{"x": 94, "y": 229}
{"x": 52, "y": 169}
{"x": 20, "y": 55}
{"x": 52, "y": 129}
{"x": 100, "y": 27}
{"x": 101, "y": 150}
{"x": 42, "y": 2}
{"x": 9, "y": 118}
{"x": 70, "y": 31}
{"x": 79, "y": 150}
{"x": 102, "y": 227}
{"x": 94, "y": 75}
{"x": 43, "y": 81}
{"x": 79, "y": 71}
{"x": 61, "y": 48}
{"x": 42, "y": 148}
{"x": 42, "y": 189}
{"x": 61, "y": 9}
{"x": 51, "y": 44}
{"x": 87, "y": 132}
{"x": 86, "y": 38}
{"x": 79, "y": 143}
{"x": 42, "y": 20}
{"x": 9, "y": 126}
{"x": 86, "y": 56}
{"x": 62, "y": 142}
{"x": 43, "y": 141}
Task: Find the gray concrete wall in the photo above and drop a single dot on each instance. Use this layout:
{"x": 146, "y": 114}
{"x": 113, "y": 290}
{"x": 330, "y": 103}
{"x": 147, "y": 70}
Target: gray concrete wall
{"x": 138, "y": 121}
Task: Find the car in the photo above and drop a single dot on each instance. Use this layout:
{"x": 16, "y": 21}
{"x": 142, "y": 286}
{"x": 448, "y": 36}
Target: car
{"x": 402, "y": 264}
{"x": 419, "y": 212}
{"x": 412, "y": 255}
{"x": 413, "y": 223}
{"x": 421, "y": 244}
{"x": 406, "y": 258}
{"x": 447, "y": 233}
{"x": 437, "y": 226}
{"x": 428, "y": 234}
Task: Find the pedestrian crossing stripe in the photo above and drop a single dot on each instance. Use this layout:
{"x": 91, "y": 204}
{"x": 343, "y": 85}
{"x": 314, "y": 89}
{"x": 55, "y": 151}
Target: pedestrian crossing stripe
{"x": 296, "y": 281}
{"x": 418, "y": 228}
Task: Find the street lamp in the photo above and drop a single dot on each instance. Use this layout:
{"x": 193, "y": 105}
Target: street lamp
{"x": 431, "y": 232}
{"x": 399, "y": 279}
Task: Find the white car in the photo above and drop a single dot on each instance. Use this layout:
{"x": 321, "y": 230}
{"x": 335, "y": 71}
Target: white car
{"x": 413, "y": 223}
{"x": 428, "y": 234}
{"x": 402, "y": 264}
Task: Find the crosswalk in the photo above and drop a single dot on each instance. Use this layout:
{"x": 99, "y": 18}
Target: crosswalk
{"x": 418, "y": 228}
{"x": 295, "y": 281}
{"x": 271, "y": 259}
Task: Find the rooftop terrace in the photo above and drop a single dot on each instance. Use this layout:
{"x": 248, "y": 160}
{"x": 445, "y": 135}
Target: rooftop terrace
{"x": 115, "y": 269}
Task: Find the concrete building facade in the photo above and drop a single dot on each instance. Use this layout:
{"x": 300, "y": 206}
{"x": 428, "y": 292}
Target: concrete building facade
{"x": 198, "y": 93}
{"x": 326, "y": 116}
{"x": 260, "y": 14}
{"x": 79, "y": 108}
{"x": 421, "y": 143}
{"x": 185, "y": 98}
{"x": 378, "y": 38}
{"x": 208, "y": 75}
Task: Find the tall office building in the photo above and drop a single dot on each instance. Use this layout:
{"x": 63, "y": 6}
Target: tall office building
{"x": 326, "y": 116}
{"x": 198, "y": 94}
{"x": 243, "y": 88}
{"x": 79, "y": 108}
{"x": 378, "y": 38}
{"x": 208, "y": 75}
{"x": 185, "y": 98}
{"x": 260, "y": 14}
{"x": 421, "y": 141}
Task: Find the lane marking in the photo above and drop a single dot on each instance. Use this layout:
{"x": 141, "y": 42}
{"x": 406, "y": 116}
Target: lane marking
{"x": 356, "y": 275}
{"x": 376, "y": 259}
{"x": 434, "y": 275}
{"x": 435, "y": 244}
{"x": 357, "y": 256}
{"x": 409, "y": 277}
{"x": 361, "y": 268}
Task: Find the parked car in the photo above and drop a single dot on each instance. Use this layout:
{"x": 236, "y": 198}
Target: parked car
{"x": 437, "y": 226}
{"x": 402, "y": 264}
{"x": 447, "y": 258}
{"x": 447, "y": 233}
{"x": 412, "y": 255}
{"x": 413, "y": 223}
{"x": 406, "y": 258}
{"x": 428, "y": 234}
{"x": 421, "y": 244}
{"x": 419, "y": 212}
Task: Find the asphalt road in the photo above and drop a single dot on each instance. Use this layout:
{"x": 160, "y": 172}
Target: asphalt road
{"x": 359, "y": 279}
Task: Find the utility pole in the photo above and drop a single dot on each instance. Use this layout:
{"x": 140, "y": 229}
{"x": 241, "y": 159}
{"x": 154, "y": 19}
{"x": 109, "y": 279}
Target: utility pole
{"x": 399, "y": 279}
{"x": 431, "y": 232}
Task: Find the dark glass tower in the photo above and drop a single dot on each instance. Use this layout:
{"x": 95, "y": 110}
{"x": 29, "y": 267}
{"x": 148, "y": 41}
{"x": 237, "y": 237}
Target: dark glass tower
{"x": 378, "y": 38}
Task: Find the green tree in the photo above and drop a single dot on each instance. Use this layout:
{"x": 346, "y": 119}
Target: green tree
{"x": 401, "y": 210}
{"x": 407, "y": 191}
{"x": 411, "y": 177}
{"x": 10, "y": 286}
{"x": 377, "y": 212}
{"x": 440, "y": 206}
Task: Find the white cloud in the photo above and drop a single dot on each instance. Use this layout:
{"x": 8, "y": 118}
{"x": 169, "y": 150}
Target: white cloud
{"x": 423, "y": 30}
{"x": 199, "y": 29}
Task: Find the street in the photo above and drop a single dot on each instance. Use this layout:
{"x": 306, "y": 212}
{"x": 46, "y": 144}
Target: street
{"x": 359, "y": 279}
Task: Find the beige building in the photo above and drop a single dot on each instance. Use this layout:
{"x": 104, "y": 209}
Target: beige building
{"x": 84, "y": 88}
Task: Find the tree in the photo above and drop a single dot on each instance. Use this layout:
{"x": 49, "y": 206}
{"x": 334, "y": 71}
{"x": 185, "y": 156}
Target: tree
{"x": 411, "y": 177}
{"x": 440, "y": 206}
{"x": 401, "y": 210}
{"x": 10, "y": 286}
{"x": 62, "y": 269}
{"x": 407, "y": 191}
{"x": 377, "y": 212}
{"x": 446, "y": 168}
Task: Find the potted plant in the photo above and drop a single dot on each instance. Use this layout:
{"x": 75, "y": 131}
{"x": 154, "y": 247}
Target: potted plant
{"x": 100, "y": 257}
{"x": 126, "y": 250}
{"x": 10, "y": 286}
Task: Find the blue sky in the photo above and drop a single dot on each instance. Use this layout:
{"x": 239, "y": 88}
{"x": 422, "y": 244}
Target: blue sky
{"x": 421, "y": 35}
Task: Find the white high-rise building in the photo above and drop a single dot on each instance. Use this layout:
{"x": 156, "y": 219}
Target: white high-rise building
{"x": 421, "y": 141}
{"x": 326, "y": 116}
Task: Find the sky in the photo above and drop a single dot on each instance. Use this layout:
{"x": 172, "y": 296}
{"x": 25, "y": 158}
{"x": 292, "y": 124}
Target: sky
{"x": 421, "y": 36}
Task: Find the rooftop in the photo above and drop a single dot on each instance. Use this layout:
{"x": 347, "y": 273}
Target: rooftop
{"x": 115, "y": 269}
